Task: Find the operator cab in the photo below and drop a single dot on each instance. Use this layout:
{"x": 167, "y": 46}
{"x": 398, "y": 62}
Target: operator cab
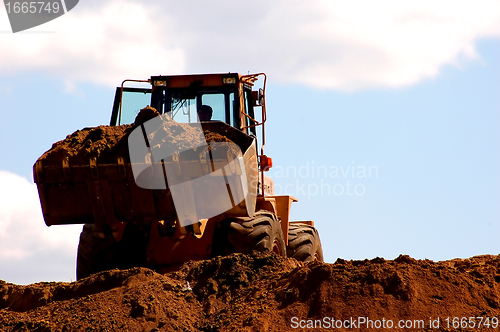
{"x": 180, "y": 97}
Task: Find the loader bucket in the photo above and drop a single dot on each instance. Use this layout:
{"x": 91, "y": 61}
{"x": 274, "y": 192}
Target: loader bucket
{"x": 120, "y": 186}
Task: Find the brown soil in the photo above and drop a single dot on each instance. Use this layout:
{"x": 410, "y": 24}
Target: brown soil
{"x": 107, "y": 143}
{"x": 260, "y": 292}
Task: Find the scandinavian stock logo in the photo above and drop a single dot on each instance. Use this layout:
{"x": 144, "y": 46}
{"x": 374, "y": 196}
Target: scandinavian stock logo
{"x": 202, "y": 180}
{"x": 25, "y": 15}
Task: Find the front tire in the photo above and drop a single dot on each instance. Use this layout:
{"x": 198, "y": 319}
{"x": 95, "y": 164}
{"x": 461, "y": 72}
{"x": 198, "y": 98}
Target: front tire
{"x": 261, "y": 233}
{"x": 303, "y": 243}
{"x": 99, "y": 251}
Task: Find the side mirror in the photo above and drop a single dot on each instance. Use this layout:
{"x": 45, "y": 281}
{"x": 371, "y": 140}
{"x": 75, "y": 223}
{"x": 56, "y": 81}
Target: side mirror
{"x": 258, "y": 97}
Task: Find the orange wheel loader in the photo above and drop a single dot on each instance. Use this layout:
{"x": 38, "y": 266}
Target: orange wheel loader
{"x": 173, "y": 188}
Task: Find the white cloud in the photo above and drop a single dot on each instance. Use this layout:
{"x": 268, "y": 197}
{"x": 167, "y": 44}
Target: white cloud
{"x": 103, "y": 45}
{"x": 23, "y": 233}
{"x": 332, "y": 44}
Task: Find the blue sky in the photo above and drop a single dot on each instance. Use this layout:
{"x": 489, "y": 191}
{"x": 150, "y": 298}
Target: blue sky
{"x": 437, "y": 149}
{"x": 422, "y": 110}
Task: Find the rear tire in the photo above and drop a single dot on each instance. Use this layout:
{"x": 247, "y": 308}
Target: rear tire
{"x": 261, "y": 233}
{"x": 99, "y": 251}
{"x": 304, "y": 243}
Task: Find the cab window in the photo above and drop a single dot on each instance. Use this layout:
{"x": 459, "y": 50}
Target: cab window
{"x": 249, "y": 110}
{"x": 218, "y": 104}
{"x": 182, "y": 108}
{"x": 132, "y": 100}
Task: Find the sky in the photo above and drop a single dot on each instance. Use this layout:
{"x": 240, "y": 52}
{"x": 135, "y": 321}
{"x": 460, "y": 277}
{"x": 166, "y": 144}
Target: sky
{"x": 383, "y": 118}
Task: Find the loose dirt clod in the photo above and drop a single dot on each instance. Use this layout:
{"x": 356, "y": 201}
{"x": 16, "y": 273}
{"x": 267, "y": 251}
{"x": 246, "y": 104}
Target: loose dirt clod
{"x": 145, "y": 114}
{"x": 261, "y": 292}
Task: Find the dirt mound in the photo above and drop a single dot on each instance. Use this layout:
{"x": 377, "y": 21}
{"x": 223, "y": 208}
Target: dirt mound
{"x": 262, "y": 292}
{"x": 107, "y": 143}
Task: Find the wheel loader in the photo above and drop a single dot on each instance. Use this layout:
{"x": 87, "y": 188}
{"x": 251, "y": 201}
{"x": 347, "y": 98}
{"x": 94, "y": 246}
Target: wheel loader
{"x": 166, "y": 191}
